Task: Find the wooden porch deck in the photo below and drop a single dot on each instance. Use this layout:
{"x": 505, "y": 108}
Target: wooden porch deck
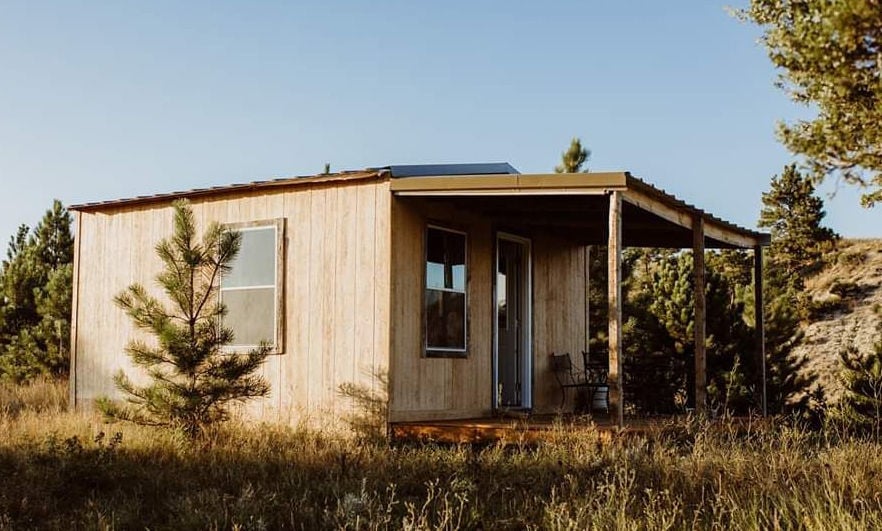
{"x": 529, "y": 429}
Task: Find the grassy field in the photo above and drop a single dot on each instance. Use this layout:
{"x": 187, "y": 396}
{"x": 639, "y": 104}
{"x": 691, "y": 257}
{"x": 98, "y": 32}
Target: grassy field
{"x": 68, "y": 471}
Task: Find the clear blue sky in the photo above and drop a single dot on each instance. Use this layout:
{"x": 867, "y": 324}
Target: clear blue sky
{"x": 101, "y": 100}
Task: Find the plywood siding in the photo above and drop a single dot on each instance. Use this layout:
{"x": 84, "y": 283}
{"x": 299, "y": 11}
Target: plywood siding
{"x": 336, "y": 292}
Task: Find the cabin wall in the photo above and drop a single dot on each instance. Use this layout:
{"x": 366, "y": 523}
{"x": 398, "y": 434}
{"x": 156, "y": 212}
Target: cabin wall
{"x": 336, "y": 293}
{"x": 559, "y": 309}
{"x": 423, "y": 388}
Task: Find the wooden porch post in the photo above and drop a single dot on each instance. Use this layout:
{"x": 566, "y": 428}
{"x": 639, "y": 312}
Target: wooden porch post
{"x": 699, "y": 287}
{"x": 614, "y": 285}
{"x": 760, "y": 322}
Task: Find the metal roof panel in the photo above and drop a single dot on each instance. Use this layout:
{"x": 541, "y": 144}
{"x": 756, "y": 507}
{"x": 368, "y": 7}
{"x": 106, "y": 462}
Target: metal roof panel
{"x": 479, "y": 168}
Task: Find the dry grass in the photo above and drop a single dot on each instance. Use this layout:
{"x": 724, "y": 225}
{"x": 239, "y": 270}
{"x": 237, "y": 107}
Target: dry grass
{"x": 70, "y": 471}
{"x": 42, "y": 396}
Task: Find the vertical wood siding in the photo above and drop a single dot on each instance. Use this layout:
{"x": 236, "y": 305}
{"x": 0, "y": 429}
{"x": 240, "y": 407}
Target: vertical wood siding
{"x": 427, "y": 388}
{"x": 353, "y": 287}
{"x": 559, "y": 305}
{"x": 336, "y": 292}
{"x": 434, "y": 388}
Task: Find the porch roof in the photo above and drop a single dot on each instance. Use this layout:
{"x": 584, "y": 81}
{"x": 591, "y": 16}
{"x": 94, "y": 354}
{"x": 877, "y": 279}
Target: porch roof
{"x": 577, "y": 203}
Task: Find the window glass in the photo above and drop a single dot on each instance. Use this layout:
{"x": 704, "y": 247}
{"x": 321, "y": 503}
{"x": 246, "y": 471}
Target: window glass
{"x": 255, "y": 265}
{"x": 250, "y": 290}
{"x": 445, "y": 260}
{"x": 445, "y": 296}
{"x": 251, "y": 315}
{"x": 445, "y": 319}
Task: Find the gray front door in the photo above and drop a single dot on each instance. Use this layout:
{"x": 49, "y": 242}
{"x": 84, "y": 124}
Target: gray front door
{"x": 512, "y": 323}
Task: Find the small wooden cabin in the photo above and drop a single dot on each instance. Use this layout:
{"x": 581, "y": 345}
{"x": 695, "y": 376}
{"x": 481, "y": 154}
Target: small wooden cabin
{"x": 443, "y": 288}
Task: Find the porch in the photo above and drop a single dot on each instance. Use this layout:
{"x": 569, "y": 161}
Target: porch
{"x": 555, "y": 219}
{"x": 530, "y": 429}
{"x": 536, "y": 429}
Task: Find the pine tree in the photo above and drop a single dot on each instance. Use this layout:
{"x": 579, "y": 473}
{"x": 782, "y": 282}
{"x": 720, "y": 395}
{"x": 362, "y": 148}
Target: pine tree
{"x": 598, "y": 297}
{"x": 15, "y": 289}
{"x": 573, "y": 158}
{"x": 35, "y": 306}
{"x": 655, "y": 362}
{"x": 794, "y": 214}
{"x": 788, "y": 381}
{"x": 660, "y": 308}
{"x": 827, "y": 55}
{"x": 789, "y": 384}
{"x": 194, "y": 380}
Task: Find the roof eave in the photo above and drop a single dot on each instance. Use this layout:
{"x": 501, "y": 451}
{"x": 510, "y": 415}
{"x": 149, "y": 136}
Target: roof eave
{"x": 265, "y": 186}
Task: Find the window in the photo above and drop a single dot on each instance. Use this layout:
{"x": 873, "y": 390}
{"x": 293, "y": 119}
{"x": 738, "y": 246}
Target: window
{"x": 251, "y": 290}
{"x": 445, "y": 297}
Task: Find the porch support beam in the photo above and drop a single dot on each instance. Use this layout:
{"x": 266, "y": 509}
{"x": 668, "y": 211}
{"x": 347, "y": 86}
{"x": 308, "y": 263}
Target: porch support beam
{"x": 614, "y": 286}
{"x": 760, "y": 323}
{"x": 699, "y": 283}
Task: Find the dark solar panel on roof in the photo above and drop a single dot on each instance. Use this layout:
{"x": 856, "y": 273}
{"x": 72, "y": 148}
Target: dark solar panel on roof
{"x": 422, "y": 170}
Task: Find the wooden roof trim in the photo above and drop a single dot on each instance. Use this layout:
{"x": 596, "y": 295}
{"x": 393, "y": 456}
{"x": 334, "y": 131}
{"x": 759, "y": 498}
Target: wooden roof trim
{"x": 271, "y": 185}
{"x": 731, "y": 237}
{"x": 660, "y": 209}
{"x": 551, "y": 183}
{"x": 668, "y": 207}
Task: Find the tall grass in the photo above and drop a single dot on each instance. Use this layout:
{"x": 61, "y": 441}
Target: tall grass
{"x": 41, "y": 396}
{"x": 67, "y": 470}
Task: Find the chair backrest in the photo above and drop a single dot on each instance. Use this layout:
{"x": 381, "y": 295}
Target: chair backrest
{"x": 595, "y": 371}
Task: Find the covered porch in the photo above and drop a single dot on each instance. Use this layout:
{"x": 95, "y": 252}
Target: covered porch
{"x": 537, "y": 215}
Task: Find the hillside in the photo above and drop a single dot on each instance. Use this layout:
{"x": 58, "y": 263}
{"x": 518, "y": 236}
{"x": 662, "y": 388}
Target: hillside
{"x": 846, "y": 295}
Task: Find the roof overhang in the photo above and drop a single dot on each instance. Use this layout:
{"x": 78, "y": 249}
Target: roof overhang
{"x": 656, "y": 218}
{"x": 523, "y": 184}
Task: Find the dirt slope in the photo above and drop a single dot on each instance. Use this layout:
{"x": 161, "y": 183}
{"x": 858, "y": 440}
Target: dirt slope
{"x": 847, "y": 295}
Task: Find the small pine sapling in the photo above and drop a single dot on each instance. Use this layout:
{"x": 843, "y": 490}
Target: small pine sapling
{"x": 193, "y": 379}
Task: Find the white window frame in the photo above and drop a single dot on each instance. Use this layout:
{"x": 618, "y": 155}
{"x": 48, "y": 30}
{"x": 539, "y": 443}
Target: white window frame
{"x": 442, "y": 352}
{"x": 278, "y": 224}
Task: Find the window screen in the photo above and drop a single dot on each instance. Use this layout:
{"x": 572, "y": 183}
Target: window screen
{"x": 445, "y": 296}
{"x": 250, "y": 289}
